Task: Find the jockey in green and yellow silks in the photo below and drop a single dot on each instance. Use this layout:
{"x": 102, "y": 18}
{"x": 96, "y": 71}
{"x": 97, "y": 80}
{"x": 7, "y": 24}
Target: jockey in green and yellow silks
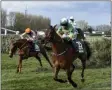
{"x": 66, "y": 30}
{"x": 73, "y": 23}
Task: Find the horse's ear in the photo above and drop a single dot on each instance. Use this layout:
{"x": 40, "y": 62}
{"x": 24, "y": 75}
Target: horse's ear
{"x": 51, "y": 26}
{"x": 55, "y": 26}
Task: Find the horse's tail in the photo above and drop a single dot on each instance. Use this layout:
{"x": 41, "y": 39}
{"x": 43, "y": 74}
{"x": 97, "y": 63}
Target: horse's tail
{"x": 89, "y": 52}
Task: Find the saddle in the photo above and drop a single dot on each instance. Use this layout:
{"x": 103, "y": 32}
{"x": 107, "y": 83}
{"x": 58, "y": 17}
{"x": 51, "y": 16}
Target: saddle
{"x": 31, "y": 46}
{"x": 78, "y": 45}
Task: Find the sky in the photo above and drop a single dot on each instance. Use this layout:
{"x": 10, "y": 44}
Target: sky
{"x": 94, "y": 12}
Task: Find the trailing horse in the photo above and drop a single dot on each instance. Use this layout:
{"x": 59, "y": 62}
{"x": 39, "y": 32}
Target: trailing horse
{"x": 25, "y": 52}
{"x": 64, "y": 54}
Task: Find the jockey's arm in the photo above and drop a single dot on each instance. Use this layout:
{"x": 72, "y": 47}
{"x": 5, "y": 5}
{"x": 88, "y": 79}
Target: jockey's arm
{"x": 71, "y": 32}
{"x": 34, "y": 34}
{"x": 22, "y": 35}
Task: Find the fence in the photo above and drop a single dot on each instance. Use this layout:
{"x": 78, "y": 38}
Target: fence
{"x": 6, "y": 30}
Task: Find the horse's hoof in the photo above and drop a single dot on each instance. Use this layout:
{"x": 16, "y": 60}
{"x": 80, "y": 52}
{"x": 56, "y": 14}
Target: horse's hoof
{"x": 65, "y": 81}
{"x": 82, "y": 80}
{"x": 74, "y": 85}
{"x": 20, "y": 72}
{"x": 17, "y": 71}
{"x": 60, "y": 80}
{"x": 10, "y": 56}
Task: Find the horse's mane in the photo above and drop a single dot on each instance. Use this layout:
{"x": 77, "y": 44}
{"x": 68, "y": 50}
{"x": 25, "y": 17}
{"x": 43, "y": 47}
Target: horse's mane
{"x": 21, "y": 40}
{"x": 81, "y": 33}
{"x": 64, "y": 42}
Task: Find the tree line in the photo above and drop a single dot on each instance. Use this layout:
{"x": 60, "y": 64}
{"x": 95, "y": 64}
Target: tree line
{"x": 19, "y": 21}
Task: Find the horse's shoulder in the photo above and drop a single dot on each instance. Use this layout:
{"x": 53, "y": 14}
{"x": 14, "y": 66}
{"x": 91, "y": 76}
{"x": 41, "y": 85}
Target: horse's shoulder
{"x": 21, "y": 40}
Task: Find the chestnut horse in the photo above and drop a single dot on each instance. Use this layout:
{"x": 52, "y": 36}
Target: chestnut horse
{"x": 24, "y": 52}
{"x": 63, "y": 55}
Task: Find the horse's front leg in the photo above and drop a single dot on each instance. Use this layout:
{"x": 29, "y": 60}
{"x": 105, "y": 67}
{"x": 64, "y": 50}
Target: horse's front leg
{"x": 56, "y": 71}
{"x": 19, "y": 65}
{"x": 42, "y": 50}
{"x": 69, "y": 74}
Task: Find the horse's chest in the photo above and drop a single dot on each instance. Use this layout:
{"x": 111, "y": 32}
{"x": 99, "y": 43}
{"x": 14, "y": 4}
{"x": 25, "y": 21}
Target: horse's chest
{"x": 62, "y": 60}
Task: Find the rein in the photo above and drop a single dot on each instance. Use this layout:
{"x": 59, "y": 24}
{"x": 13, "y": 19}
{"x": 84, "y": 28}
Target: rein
{"x": 23, "y": 44}
{"x": 59, "y": 41}
{"x": 60, "y": 53}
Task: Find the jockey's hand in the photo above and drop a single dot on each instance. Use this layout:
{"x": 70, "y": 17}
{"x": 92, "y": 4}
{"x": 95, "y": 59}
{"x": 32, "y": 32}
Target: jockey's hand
{"x": 64, "y": 36}
{"x": 29, "y": 40}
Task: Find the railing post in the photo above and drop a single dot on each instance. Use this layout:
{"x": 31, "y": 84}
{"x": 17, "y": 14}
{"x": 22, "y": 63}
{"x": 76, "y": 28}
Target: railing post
{"x": 17, "y": 32}
{"x": 5, "y": 31}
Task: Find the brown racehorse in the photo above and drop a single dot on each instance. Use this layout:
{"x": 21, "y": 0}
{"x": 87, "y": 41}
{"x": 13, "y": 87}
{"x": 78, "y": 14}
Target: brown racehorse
{"x": 24, "y": 52}
{"x": 63, "y": 55}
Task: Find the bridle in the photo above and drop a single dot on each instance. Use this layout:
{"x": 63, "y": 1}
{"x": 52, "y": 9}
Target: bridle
{"x": 53, "y": 39}
{"x": 21, "y": 47}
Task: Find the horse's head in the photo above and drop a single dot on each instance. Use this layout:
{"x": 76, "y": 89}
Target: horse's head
{"x": 14, "y": 45}
{"x": 12, "y": 48}
{"x": 51, "y": 35}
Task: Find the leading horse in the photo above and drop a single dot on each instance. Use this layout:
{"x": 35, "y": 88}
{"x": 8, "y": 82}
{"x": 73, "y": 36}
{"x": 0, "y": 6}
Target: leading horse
{"x": 24, "y": 47}
{"x": 63, "y": 55}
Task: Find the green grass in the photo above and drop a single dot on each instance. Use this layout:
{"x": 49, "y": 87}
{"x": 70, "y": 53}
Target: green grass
{"x": 29, "y": 79}
{"x": 94, "y": 38}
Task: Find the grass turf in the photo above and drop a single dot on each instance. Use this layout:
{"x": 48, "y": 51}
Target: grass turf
{"x": 30, "y": 79}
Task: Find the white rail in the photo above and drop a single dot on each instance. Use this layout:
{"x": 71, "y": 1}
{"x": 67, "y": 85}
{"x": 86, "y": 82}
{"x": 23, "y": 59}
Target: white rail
{"x": 16, "y": 32}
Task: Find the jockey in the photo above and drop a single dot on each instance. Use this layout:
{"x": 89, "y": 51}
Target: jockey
{"x": 73, "y": 22}
{"x": 31, "y": 36}
{"x": 68, "y": 31}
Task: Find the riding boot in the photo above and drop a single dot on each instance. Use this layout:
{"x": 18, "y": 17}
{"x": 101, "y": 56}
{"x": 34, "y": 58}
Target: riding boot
{"x": 36, "y": 45}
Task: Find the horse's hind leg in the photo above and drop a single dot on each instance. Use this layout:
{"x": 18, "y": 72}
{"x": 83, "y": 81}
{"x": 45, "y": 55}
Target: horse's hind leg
{"x": 56, "y": 71}
{"x": 83, "y": 60}
{"x": 69, "y": 74}
{"x": 83, "y": 68}
{"x": 37, "y": 57}
{"x": 19, "y": 65}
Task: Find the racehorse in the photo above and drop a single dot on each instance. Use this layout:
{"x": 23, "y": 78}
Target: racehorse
{"x": 63, "y": 55}
{"x": 25, "y": 52}
{"x": 80, "y": 34}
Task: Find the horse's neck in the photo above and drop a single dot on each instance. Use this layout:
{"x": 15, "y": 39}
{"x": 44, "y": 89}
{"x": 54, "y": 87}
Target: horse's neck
{"x": 20, "y": 44}
{"x": 58, "y": 47}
